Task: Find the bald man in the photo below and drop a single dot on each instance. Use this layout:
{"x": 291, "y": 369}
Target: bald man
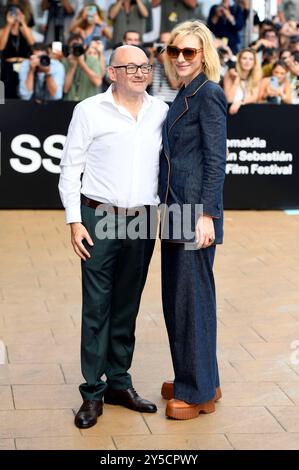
{"x": 114, "y": 141}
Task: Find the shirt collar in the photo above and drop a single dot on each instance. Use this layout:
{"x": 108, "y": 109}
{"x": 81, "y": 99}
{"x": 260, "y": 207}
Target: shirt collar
{"x": 107, "y": 97}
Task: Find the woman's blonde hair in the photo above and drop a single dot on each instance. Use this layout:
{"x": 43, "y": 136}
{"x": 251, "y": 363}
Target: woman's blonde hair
{"x": 211, "y": 65}
{"x": 255, "y": 73}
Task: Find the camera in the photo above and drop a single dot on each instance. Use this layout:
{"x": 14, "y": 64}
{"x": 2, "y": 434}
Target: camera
{"x": 159, "y": 47}
{"x": 44, "y": 60}
{"x": 77, "y": 49}
{"x": 231, "y": 64}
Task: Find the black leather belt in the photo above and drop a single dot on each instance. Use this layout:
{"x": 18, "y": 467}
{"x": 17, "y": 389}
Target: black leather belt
{"x": 131, "y": 211}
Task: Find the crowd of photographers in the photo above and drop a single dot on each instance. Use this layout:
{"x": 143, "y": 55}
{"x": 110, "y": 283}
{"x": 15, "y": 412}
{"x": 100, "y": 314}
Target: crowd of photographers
{"x": 60, "y": 49}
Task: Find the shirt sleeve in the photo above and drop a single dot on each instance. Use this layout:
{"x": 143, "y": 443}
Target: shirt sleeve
{"x": 24, "y": 93}
{"x": 72, "y": 164}
{"x": 57, "y": 71}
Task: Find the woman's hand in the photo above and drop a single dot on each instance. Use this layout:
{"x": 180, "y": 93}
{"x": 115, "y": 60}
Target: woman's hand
{"x": 234, "y": 108}
{"x": 21, "y": 18}
{"x": 10, "y": 19}
{"x": 205, "y": 231}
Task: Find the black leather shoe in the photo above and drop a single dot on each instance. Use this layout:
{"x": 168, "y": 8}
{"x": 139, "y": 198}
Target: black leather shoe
{"x": 130, "y": 399}
{"x": 88, "y": 414}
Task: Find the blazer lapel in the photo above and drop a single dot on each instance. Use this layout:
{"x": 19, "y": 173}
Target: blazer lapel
{"x": 180, "y": 105}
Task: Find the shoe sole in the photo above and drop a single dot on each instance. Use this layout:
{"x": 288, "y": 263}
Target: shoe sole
{"x": 190, "y": 413}
{"x": 167, "y": 392}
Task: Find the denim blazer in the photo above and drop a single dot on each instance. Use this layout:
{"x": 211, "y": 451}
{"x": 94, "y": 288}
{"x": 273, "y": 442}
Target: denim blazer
{"x": 193, "y": 158}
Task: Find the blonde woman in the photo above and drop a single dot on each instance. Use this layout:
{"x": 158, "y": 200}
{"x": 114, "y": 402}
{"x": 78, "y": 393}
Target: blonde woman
{"x": 192, "y": 170}
{"x": 90, "y": 23}
{"x": 241, "y": 84}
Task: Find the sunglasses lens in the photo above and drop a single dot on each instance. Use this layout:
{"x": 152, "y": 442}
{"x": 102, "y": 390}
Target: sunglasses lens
{"x": 173, "y": 52}
{"x": 188, "y": 53}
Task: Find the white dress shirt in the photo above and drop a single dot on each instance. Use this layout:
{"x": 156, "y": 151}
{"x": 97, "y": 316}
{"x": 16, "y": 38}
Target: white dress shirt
{"x": 117, "y": 154}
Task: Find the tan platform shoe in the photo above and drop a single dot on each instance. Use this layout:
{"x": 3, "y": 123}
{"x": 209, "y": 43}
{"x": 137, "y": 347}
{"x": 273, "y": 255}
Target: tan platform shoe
{"x": 178, "y": 409}
{"x": 167, "y": 391}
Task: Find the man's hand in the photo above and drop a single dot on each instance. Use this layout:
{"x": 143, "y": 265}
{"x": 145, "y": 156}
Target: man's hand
{"x": 205, "y": 232}
{"x": 78, "y": 234}
{"x": 33, "y": 62}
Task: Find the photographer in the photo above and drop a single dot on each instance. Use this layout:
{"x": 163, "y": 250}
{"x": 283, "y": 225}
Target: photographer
{"x": 84, "y": 69}
{"x": 174, "y": 12}
{"x": 90, "y": 22}
{"x": 292, "y": 62}
{"x": 41, "y": 78}
{"x": 15, "y": 41}
{"x": 162, "y": 86}
{"x": 226, "y": 21}
{"x": 60, "y": 15}
{"x": 128, "y": 15}
{"x": 288, "y": 10}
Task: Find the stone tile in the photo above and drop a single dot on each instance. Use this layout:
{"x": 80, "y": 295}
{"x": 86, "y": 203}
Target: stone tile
{"x": 237, "y": 334}
{"x": 37, "y": 397}
{"x": 291, "y": 389}
{"x": 275, "y": 441}
{"x": 7, "y": 444}
{"x": 253, "y": 394}
{"x": 284, "y": 331}
{"x": 21, "y": 374}
{"x": 251, "y": 419}
{"x": 287, "y": 416}
{"x": 118, "y": 420}
{"x": 228, "y": 373}
{"x": 28, "y": 338}
{"x": 6, "y": 401}
{"x": 276, "y": 352}
{"x": 232, "y": 352}
{"x": 43, "y": 353}
{"x": 181, "y": 442}
{"x": 37, "y": 423}
{"x": 65, "y": 443}
{"x": 265, "y": 371}
{"x": 72, "y": 373}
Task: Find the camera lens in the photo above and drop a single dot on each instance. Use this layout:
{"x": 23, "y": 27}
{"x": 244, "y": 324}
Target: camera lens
{"x": 77, "y": 50}
{"x": 44, "y": 60}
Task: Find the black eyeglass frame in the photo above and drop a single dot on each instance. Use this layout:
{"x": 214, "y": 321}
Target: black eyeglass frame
{"x": 147, "y": 68}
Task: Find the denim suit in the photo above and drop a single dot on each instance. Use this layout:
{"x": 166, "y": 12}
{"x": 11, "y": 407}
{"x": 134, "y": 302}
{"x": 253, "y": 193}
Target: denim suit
{"x": 194, "y": 151}
{"x": 192, "y": 171}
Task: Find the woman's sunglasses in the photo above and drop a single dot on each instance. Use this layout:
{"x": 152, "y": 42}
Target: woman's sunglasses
{"x": 188, "y": 52}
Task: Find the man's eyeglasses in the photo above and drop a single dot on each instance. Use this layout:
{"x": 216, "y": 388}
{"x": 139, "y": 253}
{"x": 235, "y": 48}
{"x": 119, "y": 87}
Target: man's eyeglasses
{"x": 131, "y": 69}
{"x": 189, "y": 53}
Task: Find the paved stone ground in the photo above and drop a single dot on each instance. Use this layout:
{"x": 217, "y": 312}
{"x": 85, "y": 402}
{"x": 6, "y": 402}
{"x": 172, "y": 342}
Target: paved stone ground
{"x": 257, "y": 273}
